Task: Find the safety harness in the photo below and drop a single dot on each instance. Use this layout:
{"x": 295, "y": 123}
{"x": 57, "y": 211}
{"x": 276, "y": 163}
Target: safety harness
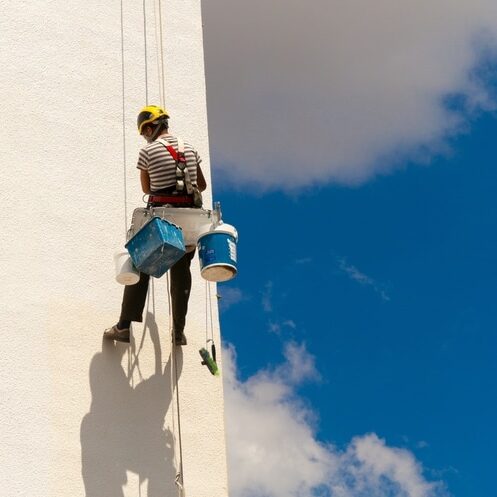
{"x": 186, "y": 193}
{"x": 183, "y": 180}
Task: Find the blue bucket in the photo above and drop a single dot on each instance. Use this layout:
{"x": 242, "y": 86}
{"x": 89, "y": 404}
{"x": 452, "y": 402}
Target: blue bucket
{"x": 217, "y": 253}
{"x": 156, "y": 247}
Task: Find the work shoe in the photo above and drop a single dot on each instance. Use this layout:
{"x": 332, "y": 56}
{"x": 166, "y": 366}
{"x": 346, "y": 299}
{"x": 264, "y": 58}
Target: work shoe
{"x": 115, "y": 333}
{"x": 179, "y": 338}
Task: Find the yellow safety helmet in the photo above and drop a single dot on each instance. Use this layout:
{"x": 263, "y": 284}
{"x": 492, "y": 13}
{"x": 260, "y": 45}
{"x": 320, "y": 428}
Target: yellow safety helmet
{"x": 150, "y": 114}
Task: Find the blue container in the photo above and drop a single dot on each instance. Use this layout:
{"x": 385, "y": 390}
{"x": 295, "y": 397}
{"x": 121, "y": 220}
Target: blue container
{"x": 217, "y": 253}
{"x": 156, "y": 247}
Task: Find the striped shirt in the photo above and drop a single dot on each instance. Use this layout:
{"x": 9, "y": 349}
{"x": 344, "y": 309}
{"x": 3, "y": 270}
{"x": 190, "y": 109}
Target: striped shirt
{"x": 160, "y": 165}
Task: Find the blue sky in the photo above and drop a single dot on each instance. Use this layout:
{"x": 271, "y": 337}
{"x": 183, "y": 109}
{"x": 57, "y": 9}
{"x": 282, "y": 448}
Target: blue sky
{"x": 392, "y": 288}
{"x": 363, "y": 317}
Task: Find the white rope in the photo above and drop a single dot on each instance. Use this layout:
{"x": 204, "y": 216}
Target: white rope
{"x": 159, "y": 51}
{"x": 206, "y": 313}
{"x": 123, "y": 74}
{"x": 145, "y": 48}
{"x": 175, "y": 409}
{"x": 209, "y": 337}
{"x": 210, "y": 309}
{"x": 180, "y": 477}
{"x": 163, "y": 95}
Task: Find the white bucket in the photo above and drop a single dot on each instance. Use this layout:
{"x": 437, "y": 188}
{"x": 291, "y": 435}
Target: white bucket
{"x": 217, "y": 253}
{"x": 126, "y": 273}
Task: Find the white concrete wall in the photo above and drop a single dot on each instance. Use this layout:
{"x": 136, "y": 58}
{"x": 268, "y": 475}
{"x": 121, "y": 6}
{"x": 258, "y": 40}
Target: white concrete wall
{"x": 75, "y": 410}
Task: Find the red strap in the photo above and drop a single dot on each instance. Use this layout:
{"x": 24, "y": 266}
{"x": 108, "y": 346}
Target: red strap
{"x": 173, "y": 199}
{"x": 178, "y": 157}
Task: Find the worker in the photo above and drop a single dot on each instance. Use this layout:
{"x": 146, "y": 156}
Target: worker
{"x": 166, "y": 183}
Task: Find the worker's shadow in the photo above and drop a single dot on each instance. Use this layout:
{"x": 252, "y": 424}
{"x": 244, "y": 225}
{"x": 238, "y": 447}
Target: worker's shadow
{"x": 124, "y": 430}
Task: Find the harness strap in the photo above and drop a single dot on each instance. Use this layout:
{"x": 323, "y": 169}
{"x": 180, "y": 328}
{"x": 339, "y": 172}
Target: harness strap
{"x": 170, "y": 199}
{"x": 180, "y": 159}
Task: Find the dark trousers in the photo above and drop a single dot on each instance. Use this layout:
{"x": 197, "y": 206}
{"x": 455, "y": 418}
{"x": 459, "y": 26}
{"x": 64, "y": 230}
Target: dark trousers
{"x": 181, "y": 283}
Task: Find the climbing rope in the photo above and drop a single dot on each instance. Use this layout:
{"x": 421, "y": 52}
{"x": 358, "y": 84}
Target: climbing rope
{"x": 179, "y": 480}
{"x": 145, "y": 48}
{"x": 209, "y": 337}
{"x": 159, "y": 48}
{"x": 123, "y": 75}
{"x": 157, "y": 51}
{"x": 163, "y": 94}
{"x": 175, "y": 409}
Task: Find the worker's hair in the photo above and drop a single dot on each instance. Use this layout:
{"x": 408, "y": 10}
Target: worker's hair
{"x": 158, "y": 126}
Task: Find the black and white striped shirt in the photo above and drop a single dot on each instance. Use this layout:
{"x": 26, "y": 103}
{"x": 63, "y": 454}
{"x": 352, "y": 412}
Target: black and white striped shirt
{"x": 160, "y": 165}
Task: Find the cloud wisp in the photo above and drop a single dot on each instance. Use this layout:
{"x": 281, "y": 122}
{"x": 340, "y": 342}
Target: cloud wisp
{"x": 363, "y": 279}
{"x": 273, "y": 450}
{"x": 267, "y": 297}
{"x": 230, "y": 296}
{"x": 302, "y": 93}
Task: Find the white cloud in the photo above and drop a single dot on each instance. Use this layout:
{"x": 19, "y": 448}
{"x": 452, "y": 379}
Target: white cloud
{"x": 290, "y": 323}
{"x": 277, "y": 327}
{"x": 273, "y": 450}
{"x": 308, "y": 92}
{"x": 230, "y": 296}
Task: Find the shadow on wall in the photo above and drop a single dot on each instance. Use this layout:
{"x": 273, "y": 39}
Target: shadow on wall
{"x": 124, "y": 430}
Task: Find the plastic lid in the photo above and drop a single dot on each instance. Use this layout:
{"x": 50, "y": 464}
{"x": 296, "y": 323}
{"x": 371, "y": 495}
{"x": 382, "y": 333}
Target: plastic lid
{"x": 221, "y": 228}
{"x": 227, "y": 228}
